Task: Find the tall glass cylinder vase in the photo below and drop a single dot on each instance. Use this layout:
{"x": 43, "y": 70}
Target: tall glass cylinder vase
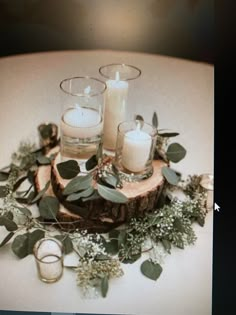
{"x": 82, "y": 117}
{"x": 116, "y": 98}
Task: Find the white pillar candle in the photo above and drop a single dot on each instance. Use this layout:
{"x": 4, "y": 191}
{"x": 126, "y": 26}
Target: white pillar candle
{"x": 81, "y": 122}
{"x": 115, "y": 109}
{"x": 136, "y": 150}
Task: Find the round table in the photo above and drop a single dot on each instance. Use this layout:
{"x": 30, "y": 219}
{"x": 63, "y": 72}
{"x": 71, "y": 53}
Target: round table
{"x": 181, "y": 92}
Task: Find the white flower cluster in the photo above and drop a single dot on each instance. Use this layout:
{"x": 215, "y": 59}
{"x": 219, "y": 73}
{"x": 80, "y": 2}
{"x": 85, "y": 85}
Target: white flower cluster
{"x": 88, "y": 245}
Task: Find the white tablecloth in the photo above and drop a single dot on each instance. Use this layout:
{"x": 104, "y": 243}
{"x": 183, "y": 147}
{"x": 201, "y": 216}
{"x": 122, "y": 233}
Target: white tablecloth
{"x": 181, "y": 92}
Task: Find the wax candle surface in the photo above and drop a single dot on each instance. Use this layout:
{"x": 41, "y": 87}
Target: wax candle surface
{"x": 136, "y": 150}
{"x": 115, "y": 110}
{"x": 81, "y": 122}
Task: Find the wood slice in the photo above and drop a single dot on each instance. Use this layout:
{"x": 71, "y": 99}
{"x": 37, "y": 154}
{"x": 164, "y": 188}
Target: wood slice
{"x": 101, "y": 215}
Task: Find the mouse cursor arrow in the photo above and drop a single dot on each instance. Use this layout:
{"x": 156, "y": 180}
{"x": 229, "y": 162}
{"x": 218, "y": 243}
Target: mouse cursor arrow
{"x": 217, "y": 208}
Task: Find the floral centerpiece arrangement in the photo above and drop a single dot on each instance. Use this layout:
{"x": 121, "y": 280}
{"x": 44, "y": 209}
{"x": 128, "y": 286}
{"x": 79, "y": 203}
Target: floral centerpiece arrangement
{"x": 156, "y": 232}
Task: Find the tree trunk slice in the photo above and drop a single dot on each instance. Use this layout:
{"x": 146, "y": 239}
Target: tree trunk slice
{"x": 101, "y": 215}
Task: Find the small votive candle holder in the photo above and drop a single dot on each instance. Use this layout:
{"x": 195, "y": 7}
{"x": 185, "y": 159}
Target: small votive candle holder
{"x": 207, "y": 183}
{"x": 48, "y": 253}
{"x": 135, "y": 147}
{"x": 82, "y": 118}
{"x": 117, "y": 77}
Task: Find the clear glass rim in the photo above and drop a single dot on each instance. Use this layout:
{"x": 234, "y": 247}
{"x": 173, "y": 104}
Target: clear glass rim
{"x": 80, "y": 94}
{"x": 133, "y": 122}
{"x": 120, "y": 64}
{"x": 39, "y": 242}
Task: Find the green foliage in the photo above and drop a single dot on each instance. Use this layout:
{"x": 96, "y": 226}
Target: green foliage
{"x": 3, "y": 191}
{"x": 91, "y": 163}
{"x": 7, "y": 238}
{"x": 155, "y": 120}
{"x": 43, "y": 160}
{"x": 151, "y": 270}
{"x": 170, "y": 175}
{"x": 41, "y": 193}
{"x": 23, "y": 244}
{"x": 104, "y": 286}
{"x": 168, "y": 225}
{"x": 175, "y": 152}
{"x": 111, "y": 194}
{"x": 67, "y": 243}
{"x": 82, "y": 194}
{"x": 49, "y": 207}
{"x": 77, "y": 184}
{"x": 3, "y": 176}
{"x": 9, "y": 224}
{"x": 68, "y": 169}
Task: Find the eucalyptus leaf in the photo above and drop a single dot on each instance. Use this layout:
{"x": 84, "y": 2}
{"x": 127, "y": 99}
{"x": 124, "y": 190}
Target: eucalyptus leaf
{"x": 93, "y": 196}
{"x": 77, "y": 184}
{"x": 43, "y": 160}
{"x": 41, "y": 193}
{"x": 91, "y": 163}
{"x": 155, "y": 120}
{"x": 25, "y": 211}
{"x": 3, "y": 191}
{"x": 67, "y": 243}
{"x": 9, "y": 215}
{"x": 151, "y": 270}
{"x": 110, "y": 180}
{"x": 122, "y": 238}
{"x": 166, "y": 244}
{"x": 114, "y": 234}
{"x": 4, "y": 176}
{"x": 104, "y": 286}
{"x": 84, "y": 193}
{"x": 30, "y": 176}
{"x": 111, "y": 194}
{"x": 6, "y": 239}
{"x": 23, "y": 244}
{"x": 20, "y": 245}
{"x": 19, "y": 182}
{"x": 49, "y": 207}
{"x": 111, "y": 247}
{"x": 170, "y": 175}
{"x": 9, "y": 224}
{"x": 33, "y": 237}
{"x": 68, "y": 169}
{"x": 168, "y": 134}
{"x": 175, "y": 152}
